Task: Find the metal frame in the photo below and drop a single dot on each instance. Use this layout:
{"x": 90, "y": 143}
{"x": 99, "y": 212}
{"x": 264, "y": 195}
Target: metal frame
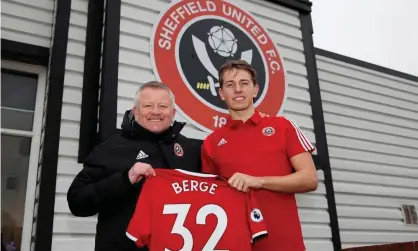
{"x": 25, "y": 53}
{"x": 110, "y": 65}
{"x": 365, "y": 65}
{"x": 51, "y": 141}
{"x": 319, "y": 125}
{"x": 35, "y": 136}
{"x": 91, "y": 79}
{"x": 302, "y": 6}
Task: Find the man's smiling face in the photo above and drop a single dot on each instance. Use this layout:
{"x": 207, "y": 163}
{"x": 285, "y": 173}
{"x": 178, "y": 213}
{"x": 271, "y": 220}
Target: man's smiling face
{"x": 155, "y": 109}
{"x": 238, "y": 89}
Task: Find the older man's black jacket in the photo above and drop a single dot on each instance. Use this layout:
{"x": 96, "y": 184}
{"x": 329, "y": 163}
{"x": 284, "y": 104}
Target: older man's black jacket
{"x": 102, "y": 187}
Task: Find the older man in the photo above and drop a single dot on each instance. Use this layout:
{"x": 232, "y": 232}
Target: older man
{"x": 110, "y": 182}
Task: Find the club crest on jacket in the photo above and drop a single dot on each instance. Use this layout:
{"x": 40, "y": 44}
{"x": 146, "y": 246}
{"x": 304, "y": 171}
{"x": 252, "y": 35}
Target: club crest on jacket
{"x": 178, "y": 150}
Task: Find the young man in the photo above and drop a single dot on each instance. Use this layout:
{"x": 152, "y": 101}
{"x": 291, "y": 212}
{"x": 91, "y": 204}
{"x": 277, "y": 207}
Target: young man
{"x": 260, "y": 153}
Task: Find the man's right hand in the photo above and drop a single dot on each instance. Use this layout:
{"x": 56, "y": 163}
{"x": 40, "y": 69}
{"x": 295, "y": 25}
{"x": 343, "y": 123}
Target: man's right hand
{"x": 140, "y": 170}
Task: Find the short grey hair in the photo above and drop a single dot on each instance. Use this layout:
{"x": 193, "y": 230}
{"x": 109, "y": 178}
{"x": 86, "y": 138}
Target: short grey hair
{"x": 153, "y": 85}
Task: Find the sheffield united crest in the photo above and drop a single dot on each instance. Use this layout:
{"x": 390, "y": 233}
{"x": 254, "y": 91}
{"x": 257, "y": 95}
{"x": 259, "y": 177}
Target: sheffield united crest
{"x": 189, "y": 43}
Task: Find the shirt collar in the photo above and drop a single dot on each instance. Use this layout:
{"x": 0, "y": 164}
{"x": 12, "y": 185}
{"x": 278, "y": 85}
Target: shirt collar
{"x": 254, "y": 120}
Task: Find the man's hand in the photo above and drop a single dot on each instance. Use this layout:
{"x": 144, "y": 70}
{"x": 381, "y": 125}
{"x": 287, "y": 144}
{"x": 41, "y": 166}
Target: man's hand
{"x": 242, "y": 182}
{"x": 140, "y": 170}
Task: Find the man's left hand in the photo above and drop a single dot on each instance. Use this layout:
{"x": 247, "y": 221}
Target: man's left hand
{"x": 242, "y": 182}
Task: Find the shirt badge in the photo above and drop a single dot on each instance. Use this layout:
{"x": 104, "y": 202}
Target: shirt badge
{"x": 256, "y": 215}
{"x": 178, "y": 150}
{"x": 268, "y": 131}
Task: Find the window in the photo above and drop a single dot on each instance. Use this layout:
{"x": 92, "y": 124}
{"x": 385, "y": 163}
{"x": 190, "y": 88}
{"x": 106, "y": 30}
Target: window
{"x": 18, "y": 95}
{"x": 409, "y": 215}
{"x": 22, "y": 102}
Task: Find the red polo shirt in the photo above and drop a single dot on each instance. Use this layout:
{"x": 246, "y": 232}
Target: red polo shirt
{"x": 262, "y": 147}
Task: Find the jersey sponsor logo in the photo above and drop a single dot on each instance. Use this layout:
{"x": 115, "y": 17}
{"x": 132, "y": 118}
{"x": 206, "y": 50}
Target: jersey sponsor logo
{"x": 178, "y": 150}
{"x": 141, "y": 155}
{"x": 193, "y": 39}
{"x": 256, "y": 215}
{"x": 268, "y": 131}
{"x": 222, "y": 142}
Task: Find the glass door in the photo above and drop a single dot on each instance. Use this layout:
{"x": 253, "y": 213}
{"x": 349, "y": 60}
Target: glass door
{"x": 22, "y": 99}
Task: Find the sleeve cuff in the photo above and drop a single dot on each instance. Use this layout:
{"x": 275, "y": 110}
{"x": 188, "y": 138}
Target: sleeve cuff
{"x": 292, "y": 154}
{"x": 137, "y": 241}
{"x": 258, "y": 235}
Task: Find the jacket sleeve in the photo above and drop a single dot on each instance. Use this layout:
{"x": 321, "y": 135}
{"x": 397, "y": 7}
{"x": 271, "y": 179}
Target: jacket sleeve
{"x": 90, "y": 190}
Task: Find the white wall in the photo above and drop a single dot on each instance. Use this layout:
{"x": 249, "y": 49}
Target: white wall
{"x": 283, "y": 26}
{"x": 372, "y": 130}
{"x": 27, "y": 21}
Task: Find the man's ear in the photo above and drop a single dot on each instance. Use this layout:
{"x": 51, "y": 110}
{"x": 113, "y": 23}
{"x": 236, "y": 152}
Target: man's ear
{"x": 221, "y": 93}
{"x": 134, "y": 111}
{"x": 256, "y": 89}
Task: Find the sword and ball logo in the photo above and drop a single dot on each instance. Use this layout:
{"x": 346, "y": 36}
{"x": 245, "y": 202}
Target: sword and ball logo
{"x": 194, "y": 38}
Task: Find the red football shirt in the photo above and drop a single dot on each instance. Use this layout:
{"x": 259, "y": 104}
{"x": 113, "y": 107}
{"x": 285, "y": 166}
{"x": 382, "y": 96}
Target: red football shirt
{"x": 262, "y": 147}
{"x": 181, "y": 210}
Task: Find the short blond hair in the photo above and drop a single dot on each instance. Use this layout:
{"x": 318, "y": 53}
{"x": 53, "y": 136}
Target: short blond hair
{"x": 153, "y": 85}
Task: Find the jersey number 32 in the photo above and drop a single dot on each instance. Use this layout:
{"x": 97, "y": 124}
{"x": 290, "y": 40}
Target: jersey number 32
{"x": 178, "y": 228}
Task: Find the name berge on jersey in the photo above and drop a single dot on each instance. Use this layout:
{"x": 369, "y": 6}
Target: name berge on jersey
{"x": 194, "y": 186}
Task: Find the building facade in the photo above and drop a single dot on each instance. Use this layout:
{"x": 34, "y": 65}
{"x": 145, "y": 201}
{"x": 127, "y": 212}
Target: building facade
{"x": 70, "y": 69}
